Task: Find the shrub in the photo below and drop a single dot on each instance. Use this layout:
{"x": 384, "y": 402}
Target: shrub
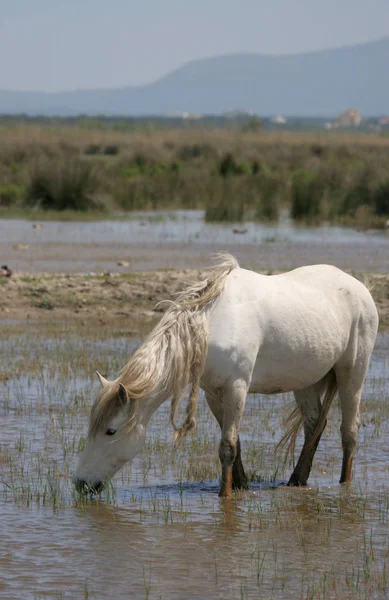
{"x": 225, "y": 202}
{"x": 381, "y": 199}
{"x": 358, "y": 192}
{"x": 111, "y": 150}
{"x": 244, "y": 169}
{"x": 227, "y": 209}
{"x": 130, "y": 171}
{"x": 65, "y": 185}
{"x": 306, "y": 196}
{"x": 10, "y": 194}
{"x": 140, "y": 161}
{"x": 92, "y": 149}
{"x": 162, "y": 190}
{"x": 364, "y": 217}
{"x": 318, "y": 149}
{"x": 267, "y": 205}
{"x": 15, "y": 168}
{"x": 228, "y": 165}
{"x": 132, "y": 196}
{"x": 196, "y": 151}
{"x": 255, "y": 167}
{"x": 158, "y": 169}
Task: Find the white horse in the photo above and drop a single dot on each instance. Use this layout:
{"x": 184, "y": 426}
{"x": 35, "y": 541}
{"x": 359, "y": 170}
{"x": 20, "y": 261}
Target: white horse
{"x": 310, "y": 331}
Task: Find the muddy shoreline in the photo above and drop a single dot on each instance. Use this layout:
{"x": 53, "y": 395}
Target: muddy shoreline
{"x": 111, "y": 296}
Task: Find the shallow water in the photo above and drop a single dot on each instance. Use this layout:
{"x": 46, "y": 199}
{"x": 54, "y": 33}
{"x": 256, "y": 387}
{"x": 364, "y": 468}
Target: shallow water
{"x": 181, "y": 239}
{"x": 161, "y": 531}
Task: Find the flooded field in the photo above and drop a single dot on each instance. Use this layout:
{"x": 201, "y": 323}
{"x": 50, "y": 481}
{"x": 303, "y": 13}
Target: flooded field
{"x": 160, "y": 531}
{"x": 181, "y": 239}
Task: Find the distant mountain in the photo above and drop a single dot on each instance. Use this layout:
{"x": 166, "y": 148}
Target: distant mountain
{"x": 320, "y": 83}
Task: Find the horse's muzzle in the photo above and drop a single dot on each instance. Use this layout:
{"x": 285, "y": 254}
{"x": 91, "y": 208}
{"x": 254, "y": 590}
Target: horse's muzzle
{"x": 86, "y": 488}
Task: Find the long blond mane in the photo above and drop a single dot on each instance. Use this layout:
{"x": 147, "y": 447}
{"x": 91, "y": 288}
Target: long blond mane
{"x": 172, "y": 356}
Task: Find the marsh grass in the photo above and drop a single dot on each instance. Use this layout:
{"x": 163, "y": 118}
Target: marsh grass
{"x": 354, "y": 192}
{"x": 62, "y": 185}
{"x": 335, "y": 177}
{"x": 326, "y": 541}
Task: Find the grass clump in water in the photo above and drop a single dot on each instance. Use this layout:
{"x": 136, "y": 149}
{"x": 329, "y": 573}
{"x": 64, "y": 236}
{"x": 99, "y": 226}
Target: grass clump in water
{"x": 10, "y": 194}
{"x": 65, "y": 185}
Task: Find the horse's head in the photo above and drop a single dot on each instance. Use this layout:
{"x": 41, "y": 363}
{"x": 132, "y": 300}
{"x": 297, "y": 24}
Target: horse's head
{"x": 115, "y": 436}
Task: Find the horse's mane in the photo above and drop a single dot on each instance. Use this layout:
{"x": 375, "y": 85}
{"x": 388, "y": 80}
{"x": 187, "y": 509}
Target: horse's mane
{"x": 172, "y": 356}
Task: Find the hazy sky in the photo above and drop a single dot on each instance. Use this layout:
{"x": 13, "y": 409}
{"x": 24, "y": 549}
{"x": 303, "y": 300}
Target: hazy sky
{"x": 69, "y": 44}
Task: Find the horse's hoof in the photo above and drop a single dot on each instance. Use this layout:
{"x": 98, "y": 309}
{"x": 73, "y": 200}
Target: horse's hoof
{"x": 225, "y": 494}
{"x": 242, "y": 486}
{"x": 296, "y": 482}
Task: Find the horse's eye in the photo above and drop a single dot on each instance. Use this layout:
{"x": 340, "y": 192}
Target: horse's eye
{"x": 110, "y": 432}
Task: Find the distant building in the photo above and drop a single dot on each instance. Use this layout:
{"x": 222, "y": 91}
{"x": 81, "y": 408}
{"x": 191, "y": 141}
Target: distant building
{"x": 187, "y": 115}
{"x": 384, "y": 122}
{"x": 349, "y": 118}
{"x": 279, "y": 120}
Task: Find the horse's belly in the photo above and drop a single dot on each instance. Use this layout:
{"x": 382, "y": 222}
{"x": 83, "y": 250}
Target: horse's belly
{"x": 296, "y": 373}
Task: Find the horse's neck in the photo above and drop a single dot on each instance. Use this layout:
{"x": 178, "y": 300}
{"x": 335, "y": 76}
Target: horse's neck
{"x": 164, "y": 386}
{"x": 148, "y": 406}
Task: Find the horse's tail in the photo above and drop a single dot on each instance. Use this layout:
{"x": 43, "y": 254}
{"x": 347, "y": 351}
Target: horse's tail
{"x": 327, "y": 386}
{"x": 193, "y": 302}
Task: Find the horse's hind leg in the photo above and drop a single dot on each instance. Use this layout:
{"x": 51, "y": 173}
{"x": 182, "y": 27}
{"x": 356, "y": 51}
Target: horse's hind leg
{"x": 350, "y": 381}
{"x": 228, "y": 409}
{"x": 308, "y": 401}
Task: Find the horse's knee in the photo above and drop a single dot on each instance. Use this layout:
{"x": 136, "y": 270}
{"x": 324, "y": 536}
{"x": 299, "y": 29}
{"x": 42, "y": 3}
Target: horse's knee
{"x": 349, "y": 442}
{"x": 350, "y": 435}
{"x": 227, "y": 452}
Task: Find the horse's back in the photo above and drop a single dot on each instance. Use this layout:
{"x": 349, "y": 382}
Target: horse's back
{"x": 344, "y": 292}
{"x": 313, "y": 287}
{"x": 295, "y": 322}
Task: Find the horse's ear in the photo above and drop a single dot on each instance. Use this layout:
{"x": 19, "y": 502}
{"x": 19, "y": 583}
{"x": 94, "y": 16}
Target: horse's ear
{"x": 122, "y": 395}
{"x": 102, "y": 380}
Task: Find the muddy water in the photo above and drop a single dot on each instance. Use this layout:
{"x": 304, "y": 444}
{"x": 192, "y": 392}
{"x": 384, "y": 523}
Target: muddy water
{"x": 181, "y": 239}
{"x": 161, "y": 531}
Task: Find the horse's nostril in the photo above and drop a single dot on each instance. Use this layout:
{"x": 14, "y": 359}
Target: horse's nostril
{"x": 86, "y": 488}
{"x": 98, "y": 487}
{"x": 81, "y": 485}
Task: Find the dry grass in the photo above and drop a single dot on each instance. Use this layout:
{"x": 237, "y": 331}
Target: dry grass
{"x": 338, "y": 173}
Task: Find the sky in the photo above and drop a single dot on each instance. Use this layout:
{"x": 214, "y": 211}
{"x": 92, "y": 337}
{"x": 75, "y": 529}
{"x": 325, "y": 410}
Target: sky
{"x": 71, "y": 44}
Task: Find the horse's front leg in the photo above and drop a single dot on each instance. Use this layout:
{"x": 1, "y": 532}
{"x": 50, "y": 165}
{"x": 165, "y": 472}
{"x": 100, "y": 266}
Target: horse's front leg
{"x": 233, "y": 402}
{"x": 239, "y": 479}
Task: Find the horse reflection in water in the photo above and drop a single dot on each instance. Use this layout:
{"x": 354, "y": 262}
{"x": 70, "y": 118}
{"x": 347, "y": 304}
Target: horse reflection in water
{"x": 310, "y": 331}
